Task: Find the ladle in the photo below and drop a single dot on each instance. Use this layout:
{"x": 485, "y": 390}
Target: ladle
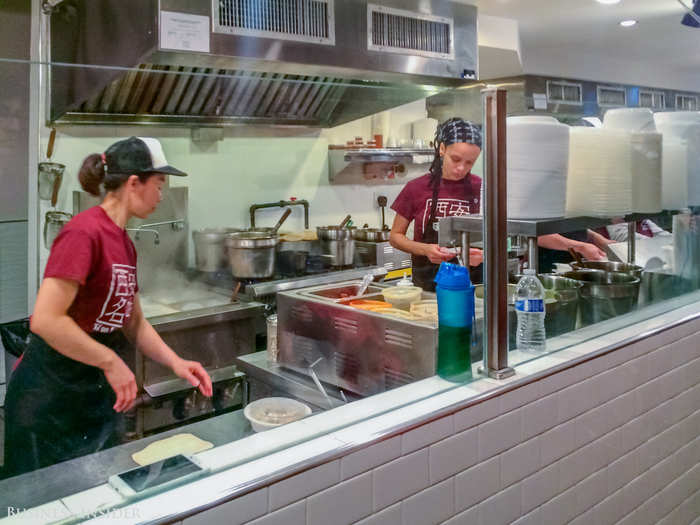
{"x": 344, "y": 222}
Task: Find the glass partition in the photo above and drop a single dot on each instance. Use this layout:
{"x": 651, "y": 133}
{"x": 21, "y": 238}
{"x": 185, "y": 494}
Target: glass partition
{"x": 284, "y": 314}
{"x": 211, "y": 275}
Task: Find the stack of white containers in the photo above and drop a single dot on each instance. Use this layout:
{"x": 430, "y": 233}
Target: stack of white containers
{"x": 538, "y": 152}
{"x": 600, "y": 182}
{"x": 645, "y": 155}
{"x": 681, "y": 161}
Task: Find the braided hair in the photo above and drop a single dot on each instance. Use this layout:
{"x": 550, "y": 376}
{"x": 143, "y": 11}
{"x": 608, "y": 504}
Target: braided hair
{"x": 449, "y": 132}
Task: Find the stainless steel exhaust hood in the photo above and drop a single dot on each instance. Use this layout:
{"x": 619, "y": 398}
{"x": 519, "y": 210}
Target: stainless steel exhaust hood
{"x": 220, "y": 62}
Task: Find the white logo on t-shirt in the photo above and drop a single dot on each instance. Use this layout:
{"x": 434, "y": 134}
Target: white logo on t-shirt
{"x": 445, "y": 208}
{"x": 120, "y": 299}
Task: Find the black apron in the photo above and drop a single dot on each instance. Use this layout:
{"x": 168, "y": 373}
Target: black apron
{"x": 58, "y": 408}
{"x": 423, "y": 271}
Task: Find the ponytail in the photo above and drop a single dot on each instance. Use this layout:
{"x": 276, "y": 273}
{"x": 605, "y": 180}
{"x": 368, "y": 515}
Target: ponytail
{"x": 92, "y": 174}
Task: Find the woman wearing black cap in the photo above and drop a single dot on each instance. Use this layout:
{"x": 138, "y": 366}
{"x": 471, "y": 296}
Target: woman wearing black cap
{"x": 67, "y": 395}
{"x": 449, "y": 189}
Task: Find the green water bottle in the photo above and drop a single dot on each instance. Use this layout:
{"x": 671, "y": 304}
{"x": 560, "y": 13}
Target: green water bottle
{"x": 455, "y": 298}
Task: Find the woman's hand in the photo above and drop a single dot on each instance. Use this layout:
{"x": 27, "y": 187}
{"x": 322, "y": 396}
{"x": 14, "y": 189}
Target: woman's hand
{"x": 123, "y": 382}
{"x": 590, "y": 251}
{"x": 476, "y": 256}
{"x": 194, "y": 372}
{"x": 436, "y": 254}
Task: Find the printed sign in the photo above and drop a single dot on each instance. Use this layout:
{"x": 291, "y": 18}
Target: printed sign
{"x": 184, "y": 32}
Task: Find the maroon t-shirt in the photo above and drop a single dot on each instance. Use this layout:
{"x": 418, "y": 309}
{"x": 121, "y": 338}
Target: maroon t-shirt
{"x": 456, "y": 198}
{"x": 92, "y": 250}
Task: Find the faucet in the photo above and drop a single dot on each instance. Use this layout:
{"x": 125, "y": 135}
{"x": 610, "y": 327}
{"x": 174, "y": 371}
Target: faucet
{"x": 281, "y": 204}
{"x": 156, "y": 239}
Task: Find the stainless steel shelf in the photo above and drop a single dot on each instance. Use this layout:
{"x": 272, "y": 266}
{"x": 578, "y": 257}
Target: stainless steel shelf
{"x": 385, "y": 154}
{"x": 451, "y": 227}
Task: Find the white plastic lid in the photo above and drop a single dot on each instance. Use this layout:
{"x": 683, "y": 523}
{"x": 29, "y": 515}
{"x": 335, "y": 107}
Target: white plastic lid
{"x": 530, "y": 271}
{"x": 405, "y": 281}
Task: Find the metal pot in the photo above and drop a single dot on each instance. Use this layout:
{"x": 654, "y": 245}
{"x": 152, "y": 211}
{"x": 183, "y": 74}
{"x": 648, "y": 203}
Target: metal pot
{"x": 338, "y": 243}
{"x": 209, "y": 248}
{"x": 292, "y": 263}
{"x": 53, "y": 222}
{"x": 609, "y": 266}
{"x": 605, "y": 295}
{"x": 371, "y": 235}
{"x": 251, "y": 254}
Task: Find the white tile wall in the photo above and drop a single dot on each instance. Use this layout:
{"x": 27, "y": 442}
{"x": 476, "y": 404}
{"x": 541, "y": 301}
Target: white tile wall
{"x": 613, "y": 440}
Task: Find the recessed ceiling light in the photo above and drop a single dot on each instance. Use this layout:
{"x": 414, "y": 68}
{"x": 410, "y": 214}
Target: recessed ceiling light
{"x": 628, "y": 23}
{"x": 608, "y": 1}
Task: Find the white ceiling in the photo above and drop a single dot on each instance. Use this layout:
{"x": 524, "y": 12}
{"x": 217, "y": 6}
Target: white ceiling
{"x": 582, "y": 38}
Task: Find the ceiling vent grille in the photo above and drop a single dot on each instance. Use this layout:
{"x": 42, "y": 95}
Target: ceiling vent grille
{"x": 652, "y": 99}
{"x": 398, "y": 31}
{"x": 686, "y": 102}
{"x": 612, "y": 96}
{"x": 564, "y": 92}
{"x": 310, "y": 21}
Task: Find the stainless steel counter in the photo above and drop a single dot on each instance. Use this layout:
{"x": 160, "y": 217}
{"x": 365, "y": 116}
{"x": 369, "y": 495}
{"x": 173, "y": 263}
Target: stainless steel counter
{"x": 277, "y": 380}
{"x": 70, "y": 477}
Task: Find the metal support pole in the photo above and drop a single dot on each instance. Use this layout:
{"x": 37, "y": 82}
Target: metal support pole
{"x": 631, "y": 241}
{"x": 465, "y": 249}
{"x": 532, "y": 253}
{"x": 495, "y": 237}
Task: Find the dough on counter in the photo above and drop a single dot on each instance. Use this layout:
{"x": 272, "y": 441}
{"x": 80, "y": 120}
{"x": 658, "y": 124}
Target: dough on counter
{"x": 168, "y": 447}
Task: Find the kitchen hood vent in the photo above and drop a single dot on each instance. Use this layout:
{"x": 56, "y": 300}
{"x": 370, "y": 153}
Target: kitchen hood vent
{"x": 309, "y": 21}
{"x": 399, "y": 31}
{"x": 312, "y": 63}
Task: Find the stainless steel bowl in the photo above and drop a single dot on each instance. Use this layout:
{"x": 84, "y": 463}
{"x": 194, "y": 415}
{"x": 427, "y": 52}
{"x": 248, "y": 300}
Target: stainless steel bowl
{"x": 605, "y": 295}
{"x": 609, "y": 266}
{"x": 251, "y": 254}
{"x": 371, "y": 235}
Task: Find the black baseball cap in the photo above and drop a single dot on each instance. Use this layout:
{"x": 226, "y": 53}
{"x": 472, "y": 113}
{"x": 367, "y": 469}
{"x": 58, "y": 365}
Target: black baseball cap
{"x": 138, "y": 155}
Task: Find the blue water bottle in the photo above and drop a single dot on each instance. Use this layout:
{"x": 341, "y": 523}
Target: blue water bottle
{"x": 455, "y": 298}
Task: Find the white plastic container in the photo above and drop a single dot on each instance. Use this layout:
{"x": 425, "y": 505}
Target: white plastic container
{"x": 538, "y": 155}
{"x": 646, "y": 166}
{"x": 630, "y": 119}
{"x": 401, "y": 297}
{"x": 600, "y": 174}
{"x": 271, "y": 412}
{"x": 681, "y": 169}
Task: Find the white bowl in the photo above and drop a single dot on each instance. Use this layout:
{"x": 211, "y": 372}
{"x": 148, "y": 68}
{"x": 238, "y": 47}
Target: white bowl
{"x": 271, "y": 412}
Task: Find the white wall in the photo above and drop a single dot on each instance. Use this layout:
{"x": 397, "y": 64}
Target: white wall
{"x": 251, "y": 165}
{"x": 613, "y": 440}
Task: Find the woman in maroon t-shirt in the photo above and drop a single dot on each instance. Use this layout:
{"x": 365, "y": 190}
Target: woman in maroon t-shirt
{"x": 66, "y": 397}
{"x": 449, "y": 189}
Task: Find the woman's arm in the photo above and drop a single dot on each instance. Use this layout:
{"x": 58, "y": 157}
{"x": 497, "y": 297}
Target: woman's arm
{"x": 559, "y": 242}
{"x": 51, "y": 322}
{"x": 433, "y": 252}
{"x": 140, "y": 332}
{"x": 398, "y": 239}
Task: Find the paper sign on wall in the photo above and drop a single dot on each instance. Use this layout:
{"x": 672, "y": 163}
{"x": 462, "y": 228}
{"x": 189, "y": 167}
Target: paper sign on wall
{"x": 540, "y": 100}
{"x": 184, "y": 32}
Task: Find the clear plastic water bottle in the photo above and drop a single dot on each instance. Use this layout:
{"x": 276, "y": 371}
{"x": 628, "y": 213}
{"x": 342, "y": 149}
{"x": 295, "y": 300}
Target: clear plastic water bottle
{"x": 529, "y": 307}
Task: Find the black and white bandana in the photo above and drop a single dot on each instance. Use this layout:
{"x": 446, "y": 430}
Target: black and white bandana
{"x": 457, "y": 130}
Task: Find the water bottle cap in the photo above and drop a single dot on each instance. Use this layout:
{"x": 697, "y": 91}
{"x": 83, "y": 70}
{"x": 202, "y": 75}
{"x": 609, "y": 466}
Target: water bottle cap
{"x": 453, "y": 277}
{"x": 530, "y": 271}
